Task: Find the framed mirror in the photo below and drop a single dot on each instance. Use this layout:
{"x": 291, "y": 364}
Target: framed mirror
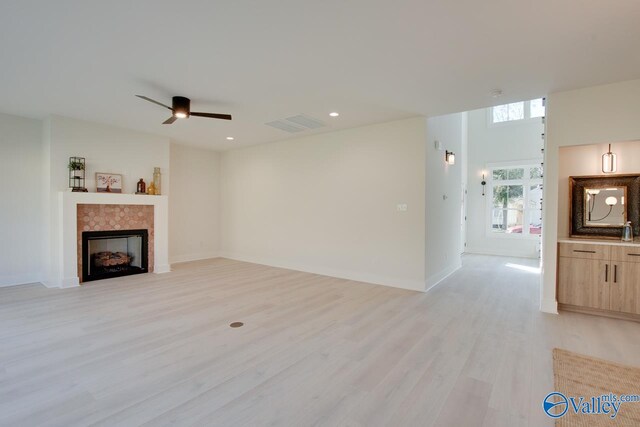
{"x": 601, "y": 205}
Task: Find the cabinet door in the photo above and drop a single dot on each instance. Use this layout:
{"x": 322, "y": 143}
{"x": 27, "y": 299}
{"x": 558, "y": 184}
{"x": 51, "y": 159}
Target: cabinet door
{"x": 584, "y": 282}
{"x": 625, "y": 287}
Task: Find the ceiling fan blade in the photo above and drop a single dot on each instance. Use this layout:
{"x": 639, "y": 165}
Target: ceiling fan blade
{"x": 170, "y": 120}
{"x": 155, "y": 102}
{"x": 213, "y": 115}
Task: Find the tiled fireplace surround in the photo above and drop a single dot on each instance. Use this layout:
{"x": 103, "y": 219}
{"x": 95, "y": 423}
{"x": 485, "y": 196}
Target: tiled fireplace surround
{"x": 114, "y": 217}
{"x": 80, "y": 212}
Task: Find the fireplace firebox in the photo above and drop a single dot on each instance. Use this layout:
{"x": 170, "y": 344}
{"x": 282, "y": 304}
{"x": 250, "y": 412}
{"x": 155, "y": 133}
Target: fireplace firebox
{"x": 107, "y": 254}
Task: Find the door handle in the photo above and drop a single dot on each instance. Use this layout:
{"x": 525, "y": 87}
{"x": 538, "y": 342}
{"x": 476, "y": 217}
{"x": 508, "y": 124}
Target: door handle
{"x": 615, "y": 274}
{"x": 584, "y": 252}
{"x": 606, "y": 272}
{"x": 633, "y": 254}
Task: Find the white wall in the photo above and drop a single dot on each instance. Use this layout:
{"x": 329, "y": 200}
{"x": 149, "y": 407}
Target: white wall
{"x": 21, "y": 224}
{"x": 595, "y": 115}
{"x": 328, "y": 203}
{"x": 443, "y": 194}
{"x": 587, "y": 160}
{"x": 194, "y": 204}
{"x": 508, "y": 142}
{"x": 106, "y": 149}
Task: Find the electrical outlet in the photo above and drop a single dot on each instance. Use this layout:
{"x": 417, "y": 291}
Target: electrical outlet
{"x": 402, "y": 207}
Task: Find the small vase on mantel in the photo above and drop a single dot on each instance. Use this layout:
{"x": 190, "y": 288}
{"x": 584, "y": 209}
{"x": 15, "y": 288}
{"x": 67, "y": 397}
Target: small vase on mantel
{"x": 157, "y": 176}
{"x": 141, "y": 188}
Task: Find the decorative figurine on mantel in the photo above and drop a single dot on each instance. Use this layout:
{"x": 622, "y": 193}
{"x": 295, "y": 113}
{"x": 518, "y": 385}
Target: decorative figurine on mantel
{"x": 76, "y": 168}
{"x": 141, "y": 188}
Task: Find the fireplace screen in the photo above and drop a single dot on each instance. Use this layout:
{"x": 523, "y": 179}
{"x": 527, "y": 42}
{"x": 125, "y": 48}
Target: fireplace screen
{"x": 108, "y": 254}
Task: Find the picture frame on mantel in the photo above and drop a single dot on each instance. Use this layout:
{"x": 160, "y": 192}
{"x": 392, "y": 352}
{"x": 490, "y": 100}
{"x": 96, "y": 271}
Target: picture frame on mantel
{"x": 108, "y": 182}
{"x": 579, "y": 228}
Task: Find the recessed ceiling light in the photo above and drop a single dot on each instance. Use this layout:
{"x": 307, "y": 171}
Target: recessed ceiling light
{"x": 496, "y": 93}
{"x": 334, "y": 114}
{"x": 230, "y": 138}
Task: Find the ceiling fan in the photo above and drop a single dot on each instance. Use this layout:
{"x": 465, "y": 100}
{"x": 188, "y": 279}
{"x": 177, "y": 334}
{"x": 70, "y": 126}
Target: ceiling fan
{"x": 181, "y": 109}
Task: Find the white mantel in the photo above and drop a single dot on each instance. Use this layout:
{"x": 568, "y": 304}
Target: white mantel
{"x": 68, "y": 228}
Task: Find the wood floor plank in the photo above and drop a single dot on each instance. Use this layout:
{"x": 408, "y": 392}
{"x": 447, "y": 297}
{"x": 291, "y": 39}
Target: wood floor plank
{"x": 314, "y": 350}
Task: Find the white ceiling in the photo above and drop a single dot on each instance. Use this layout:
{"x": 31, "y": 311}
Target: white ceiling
{"x": 371, "y": 60}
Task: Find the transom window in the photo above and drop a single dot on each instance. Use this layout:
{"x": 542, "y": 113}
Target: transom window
{"x": 515, "y": 194}
{"x": 517, "y": 111}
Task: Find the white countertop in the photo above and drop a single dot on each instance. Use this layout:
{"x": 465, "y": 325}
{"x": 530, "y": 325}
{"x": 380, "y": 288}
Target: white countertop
{"x": 593, "y": 241}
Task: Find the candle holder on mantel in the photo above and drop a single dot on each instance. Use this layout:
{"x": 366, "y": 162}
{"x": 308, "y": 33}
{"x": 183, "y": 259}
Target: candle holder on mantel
{"x": 76, "y": 168}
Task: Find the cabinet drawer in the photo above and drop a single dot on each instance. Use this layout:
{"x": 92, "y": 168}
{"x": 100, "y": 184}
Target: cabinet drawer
{"x": 585, "y": 251}
{"x": 625, "y": 253}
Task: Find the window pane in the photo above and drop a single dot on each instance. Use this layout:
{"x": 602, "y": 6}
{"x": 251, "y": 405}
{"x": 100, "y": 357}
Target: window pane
{"x": 535, "y": 221}
{"x": 537, "y": 109}
{"x": 515, "y": 200}
{"x": 508, "y": 196}
{"x": 535, "y": 172}
{"x": 516, "y": 111}
{"x": 497, "y": 220}
{"x": 500, "y": 113}
{"x": 516, "y": 173}
{"x": 535, "y": 197}
{"x": 506, "y": 221}
{"x": 499, "y": 174}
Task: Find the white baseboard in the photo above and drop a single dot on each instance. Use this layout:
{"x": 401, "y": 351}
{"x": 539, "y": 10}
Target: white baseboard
{"x": 394, "y": 282}
{"x": 70, "y": 282}
{"x": 509, "y": 254}
{"x": 20, "y": 279}
{"x": 437, "y": 278}
{"x": 193, "y": 257}
{"x": 549, "y": 306}
{"x": 162, "y": 268}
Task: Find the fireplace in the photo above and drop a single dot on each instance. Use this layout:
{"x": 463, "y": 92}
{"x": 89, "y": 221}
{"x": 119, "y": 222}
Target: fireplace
{"x": 114, "y": 253}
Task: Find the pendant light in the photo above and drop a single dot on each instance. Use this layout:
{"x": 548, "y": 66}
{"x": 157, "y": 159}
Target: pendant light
{"x": 609, "y": 163}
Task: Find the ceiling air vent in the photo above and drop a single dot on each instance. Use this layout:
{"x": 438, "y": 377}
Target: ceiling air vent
{"x": 297, "y": 123}
{"x": 306, "y": 121}
{"x": 282, "y": 125}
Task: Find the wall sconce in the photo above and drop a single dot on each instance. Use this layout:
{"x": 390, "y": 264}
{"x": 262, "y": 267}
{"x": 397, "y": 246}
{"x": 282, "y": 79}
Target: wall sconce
{"x": 484, "y": 183}
{"x": 450, "y": 157}
{"x": 609, "y": 163}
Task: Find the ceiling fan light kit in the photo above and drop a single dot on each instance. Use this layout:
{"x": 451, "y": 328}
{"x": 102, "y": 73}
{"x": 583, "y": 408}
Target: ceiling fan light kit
{"x": 181, "y": 109}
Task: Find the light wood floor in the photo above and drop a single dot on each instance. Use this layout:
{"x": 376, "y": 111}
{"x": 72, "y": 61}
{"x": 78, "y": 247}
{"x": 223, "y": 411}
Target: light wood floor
{"x": 157, "y": 349}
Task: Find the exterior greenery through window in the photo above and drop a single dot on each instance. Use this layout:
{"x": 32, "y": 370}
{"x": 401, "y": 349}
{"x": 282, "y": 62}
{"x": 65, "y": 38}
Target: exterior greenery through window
{"x": 517, "y": 111}
{"x": 515, "y": 193}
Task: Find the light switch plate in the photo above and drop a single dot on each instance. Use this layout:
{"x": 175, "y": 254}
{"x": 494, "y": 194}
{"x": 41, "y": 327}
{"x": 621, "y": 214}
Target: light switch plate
{"x": 402, "y": 207}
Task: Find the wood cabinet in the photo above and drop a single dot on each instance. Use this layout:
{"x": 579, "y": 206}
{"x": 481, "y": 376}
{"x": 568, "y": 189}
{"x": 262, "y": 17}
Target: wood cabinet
{"x": 625, "y": 290}
{"x": 601, "y": 278}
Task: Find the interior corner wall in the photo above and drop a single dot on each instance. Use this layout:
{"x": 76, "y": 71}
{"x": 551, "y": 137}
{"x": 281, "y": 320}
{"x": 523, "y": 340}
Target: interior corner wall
{"x": 508, "y": 142}
{"x": 328, "y": 203}
{"x": 443, "y": 195}
{"x": 595, "y": 115}
{"x": 194, "y": 217}
{"x": 21, "y": 224}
